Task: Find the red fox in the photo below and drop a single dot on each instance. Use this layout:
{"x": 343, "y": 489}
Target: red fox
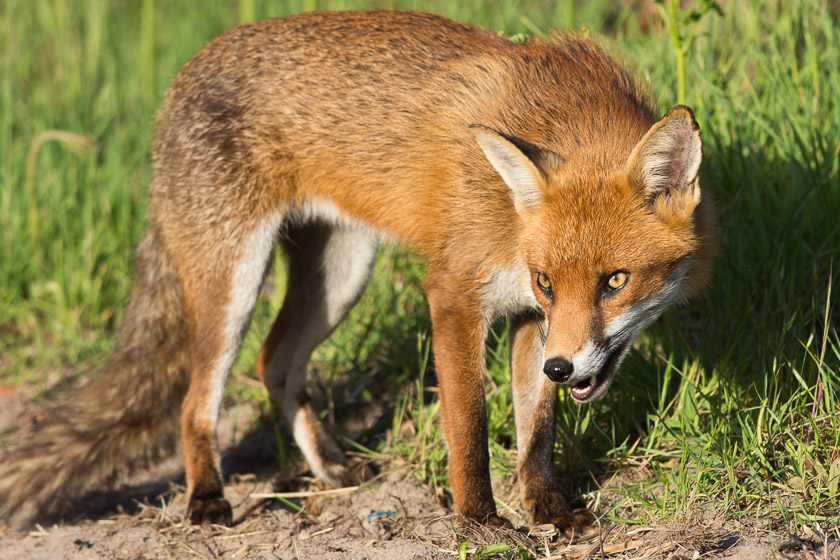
{"x": 533, "y": 180}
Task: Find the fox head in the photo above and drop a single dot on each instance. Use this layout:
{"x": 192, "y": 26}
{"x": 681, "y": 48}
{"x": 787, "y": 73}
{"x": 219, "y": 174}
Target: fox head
{"x": 608, "y": 249}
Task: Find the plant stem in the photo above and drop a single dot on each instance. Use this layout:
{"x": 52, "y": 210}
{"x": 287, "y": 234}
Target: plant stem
{"x": 678, "y": 50}
{"x": 247, "y": 11}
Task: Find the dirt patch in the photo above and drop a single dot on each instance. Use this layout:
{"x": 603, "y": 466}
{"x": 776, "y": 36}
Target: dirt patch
{"x": 362, "y": 525}
{"x": 392, "y": 519}
{"x": 393, "y": 516}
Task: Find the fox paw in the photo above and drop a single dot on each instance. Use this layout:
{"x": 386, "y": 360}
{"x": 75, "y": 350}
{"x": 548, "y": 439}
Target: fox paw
{"x": 483, "y": 514}
{"x": 579, "y": 525}
{"x": 497, "y": 521}
{"x": 359, "y": 471}
{"x": 574, "y": 525}
{"x": 493, "y": 520}
{"x": 210, "y": 511}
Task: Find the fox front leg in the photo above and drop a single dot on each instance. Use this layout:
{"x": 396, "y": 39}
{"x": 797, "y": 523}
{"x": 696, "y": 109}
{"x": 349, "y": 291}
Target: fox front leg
{"x": 459, "y": 332}
{"x": 535, "y": 399}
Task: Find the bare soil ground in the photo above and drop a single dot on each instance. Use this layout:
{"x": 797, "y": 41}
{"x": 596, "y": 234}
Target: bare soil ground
{"x": 392, "y": 517}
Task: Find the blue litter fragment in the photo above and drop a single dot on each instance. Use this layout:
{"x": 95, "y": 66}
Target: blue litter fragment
{"x": 379, "y": 513}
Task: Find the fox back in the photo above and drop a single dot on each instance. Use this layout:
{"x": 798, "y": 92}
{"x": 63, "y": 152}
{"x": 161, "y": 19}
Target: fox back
{"x": 374, "y": 117}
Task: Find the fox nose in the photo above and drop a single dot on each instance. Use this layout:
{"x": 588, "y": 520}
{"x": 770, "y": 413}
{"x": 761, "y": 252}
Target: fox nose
{"x": 559, "y": 370}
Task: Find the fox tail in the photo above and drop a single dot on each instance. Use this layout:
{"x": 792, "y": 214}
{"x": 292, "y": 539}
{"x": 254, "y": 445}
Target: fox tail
{"x": 127, "y": 414}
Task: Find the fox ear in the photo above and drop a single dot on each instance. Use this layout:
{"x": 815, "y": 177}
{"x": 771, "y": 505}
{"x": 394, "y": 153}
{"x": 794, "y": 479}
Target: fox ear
{"x": 518, "y": 170}
{"x": 666, "y": 162}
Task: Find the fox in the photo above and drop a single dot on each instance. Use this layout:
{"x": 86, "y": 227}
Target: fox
{"x": 532, "y": 179}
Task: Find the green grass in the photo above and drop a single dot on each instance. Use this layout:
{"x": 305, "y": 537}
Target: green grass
{"x": 729, "y": 404}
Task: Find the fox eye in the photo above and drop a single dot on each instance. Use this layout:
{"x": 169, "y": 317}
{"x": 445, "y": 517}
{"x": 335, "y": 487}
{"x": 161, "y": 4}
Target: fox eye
{"x": 617, "y": 280}
{"x": 544, "y": 283}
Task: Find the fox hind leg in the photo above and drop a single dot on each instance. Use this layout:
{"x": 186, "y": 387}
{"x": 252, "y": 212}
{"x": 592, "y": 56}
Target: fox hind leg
{"x": 221, "y": 284}
{"x": 328, "y": 269}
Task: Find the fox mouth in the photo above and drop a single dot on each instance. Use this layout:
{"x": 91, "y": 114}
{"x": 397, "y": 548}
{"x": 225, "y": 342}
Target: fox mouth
{"x": 596, "y": 385}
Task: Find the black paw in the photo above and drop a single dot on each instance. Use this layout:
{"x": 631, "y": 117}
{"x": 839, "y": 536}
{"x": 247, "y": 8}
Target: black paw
{"x": 579, "y": 525}
{"x": 496, "y": 521}
{"x": 546, "y": 505}
{"x": 210, "y": 511}
{"x": 493, "y": 520}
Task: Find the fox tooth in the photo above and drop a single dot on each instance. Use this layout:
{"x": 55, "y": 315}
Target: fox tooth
{"x": 593, "y": 379}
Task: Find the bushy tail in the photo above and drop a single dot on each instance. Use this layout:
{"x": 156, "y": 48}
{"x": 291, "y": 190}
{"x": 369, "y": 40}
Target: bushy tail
{"x": 127, "y": 414}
